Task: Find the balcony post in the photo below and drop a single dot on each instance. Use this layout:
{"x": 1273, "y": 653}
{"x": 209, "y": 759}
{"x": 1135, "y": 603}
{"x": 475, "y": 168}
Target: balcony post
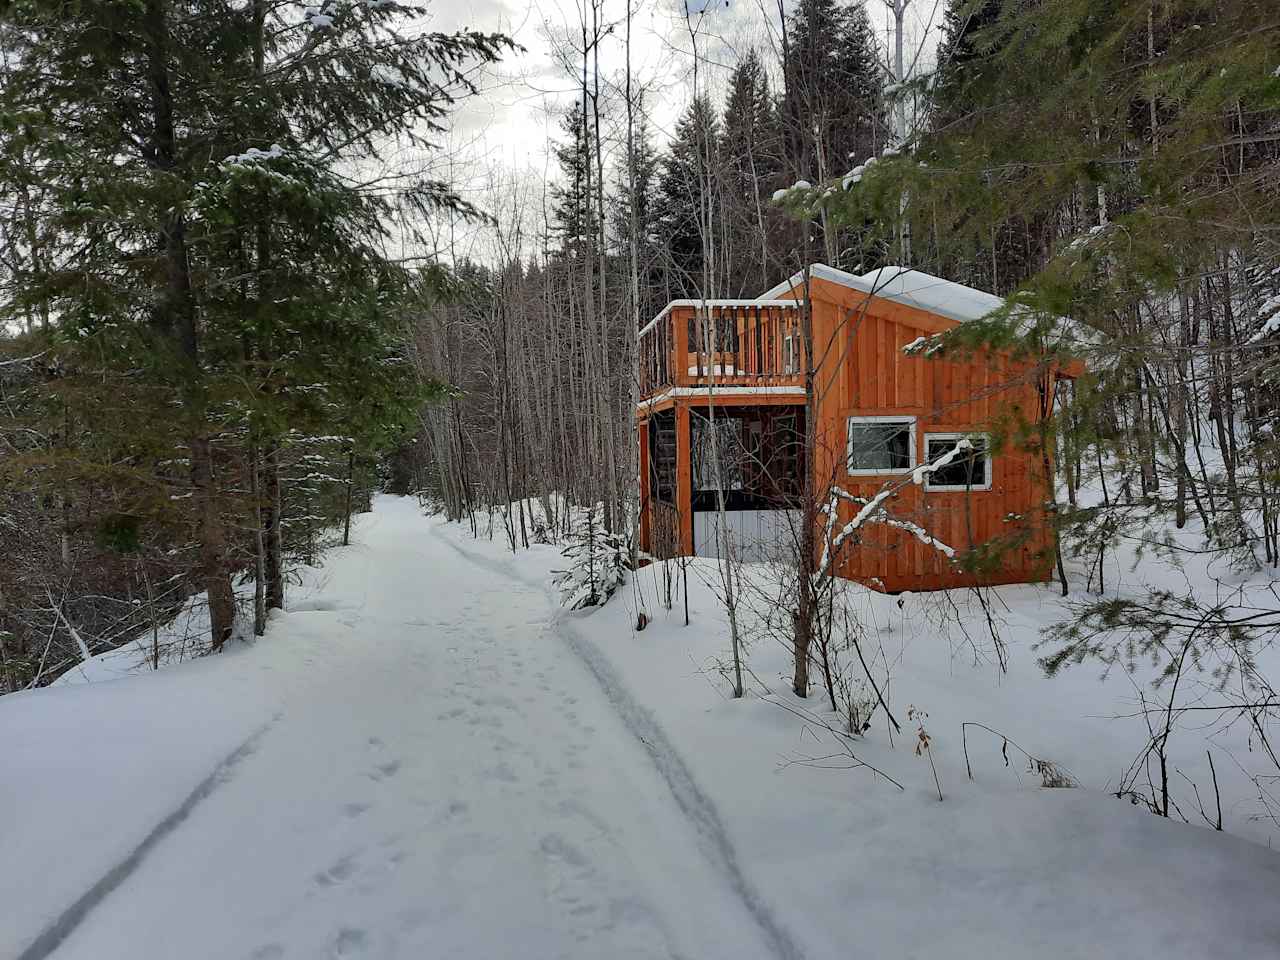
{"x": 680, "y": 347}
{"x": 642, "y": 436}
{"x": 684, "y": 478}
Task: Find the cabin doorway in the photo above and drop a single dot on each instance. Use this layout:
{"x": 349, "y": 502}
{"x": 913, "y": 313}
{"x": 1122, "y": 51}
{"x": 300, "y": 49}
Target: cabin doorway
{"x": 755, "y": 457}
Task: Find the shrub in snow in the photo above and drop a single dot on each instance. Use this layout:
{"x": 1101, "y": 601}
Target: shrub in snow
{"x": 539, "y": 532}
{"x": 597, "y": 562}
{"x": 924, "y": 743}
{"x": 1051, "y": 775}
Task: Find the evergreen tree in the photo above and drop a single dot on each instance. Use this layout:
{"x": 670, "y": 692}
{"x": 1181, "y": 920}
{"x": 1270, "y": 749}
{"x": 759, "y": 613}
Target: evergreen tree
{"x": 573, "y": 216}
{"x": 689, "y": 205}
{"x": 227, "y": 274}
{"x": 833, "y": 109}
{"x": 751, "y": 154}
{"x": 1143, "y": 139}
{"x": 650, "y": 259}
{"x": 961, "y": 56}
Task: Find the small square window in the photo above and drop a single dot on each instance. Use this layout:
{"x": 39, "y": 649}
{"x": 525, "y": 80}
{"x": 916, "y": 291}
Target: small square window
{"x": 969, "y": 470}
{"x": 881, "y": 444}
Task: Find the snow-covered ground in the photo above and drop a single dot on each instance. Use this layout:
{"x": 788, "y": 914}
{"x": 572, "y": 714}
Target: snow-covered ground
{"x": 426, "y": 758}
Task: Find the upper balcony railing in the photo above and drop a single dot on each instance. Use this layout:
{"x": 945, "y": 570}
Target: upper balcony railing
{"x": 732, "y": 343}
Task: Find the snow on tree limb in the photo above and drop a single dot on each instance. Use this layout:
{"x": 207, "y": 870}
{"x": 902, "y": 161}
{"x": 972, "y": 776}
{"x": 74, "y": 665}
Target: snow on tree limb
{"x": 872, "y": 510}
{"x": 919, "y": 474}
{"x": 75, "y": 634}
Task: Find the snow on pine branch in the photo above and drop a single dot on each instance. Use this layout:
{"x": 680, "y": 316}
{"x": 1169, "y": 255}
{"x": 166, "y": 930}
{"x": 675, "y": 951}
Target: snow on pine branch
{"x": 924, "y": 345}
{"x": 1270, "y": 314}
{"x": 321, "y": 17}
{"x": 254, "y": 155}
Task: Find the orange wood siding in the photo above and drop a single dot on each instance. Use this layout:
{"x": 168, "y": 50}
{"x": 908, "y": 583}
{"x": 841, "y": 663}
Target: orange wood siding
{"x": 871, "y": 376}
{"x": 859, "y": 341}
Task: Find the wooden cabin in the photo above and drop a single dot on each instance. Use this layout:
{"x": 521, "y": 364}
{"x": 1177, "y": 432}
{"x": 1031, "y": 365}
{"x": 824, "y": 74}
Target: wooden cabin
{"x": 723, "y": 406}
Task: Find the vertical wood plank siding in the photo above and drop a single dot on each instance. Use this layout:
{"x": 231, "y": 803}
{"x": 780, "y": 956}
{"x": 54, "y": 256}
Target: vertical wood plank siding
{"x": 859, "y": 341}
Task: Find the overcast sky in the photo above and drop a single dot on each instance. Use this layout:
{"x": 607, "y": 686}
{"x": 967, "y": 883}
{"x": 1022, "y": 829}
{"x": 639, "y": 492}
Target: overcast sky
{"x": 508, "y": 131}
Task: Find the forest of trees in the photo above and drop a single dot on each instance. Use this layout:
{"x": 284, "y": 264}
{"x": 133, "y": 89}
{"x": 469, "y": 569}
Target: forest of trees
{"x": 1113, "y": 169}
{"x": 206, "y": 342}
{"x": 212, "y": 359}
{"x": 1115, "y": 164}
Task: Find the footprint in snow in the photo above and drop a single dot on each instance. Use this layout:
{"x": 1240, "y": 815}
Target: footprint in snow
{"x": 349, "y": 942}
{"x": 353, "y": 810}
{"x": 384, "y": 770}
{"x": 340, "y": 871}
{"x": 268, "y": 951}
{"x": 556, "y": 847}
{"x": 456, "y": 808}
{"x": 503, "y": 773}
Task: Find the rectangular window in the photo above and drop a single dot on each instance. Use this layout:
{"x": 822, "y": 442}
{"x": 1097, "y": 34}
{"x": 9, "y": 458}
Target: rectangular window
{"x": 881, "y": 444}
{"x": 969, "y": 470}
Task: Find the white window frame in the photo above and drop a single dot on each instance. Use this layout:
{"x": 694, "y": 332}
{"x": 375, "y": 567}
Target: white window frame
{"x": 910, "y": 421}
{"x": 932, "y": 487}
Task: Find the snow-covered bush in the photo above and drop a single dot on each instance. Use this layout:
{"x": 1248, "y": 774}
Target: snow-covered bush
{"x": 597, "y": 562}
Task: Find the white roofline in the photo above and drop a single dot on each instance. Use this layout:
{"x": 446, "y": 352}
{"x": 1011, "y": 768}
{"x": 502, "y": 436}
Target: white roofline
{"x": 761, "y": 302}
{"x": 845, "y": 279}
{"x": 822, "y": 272}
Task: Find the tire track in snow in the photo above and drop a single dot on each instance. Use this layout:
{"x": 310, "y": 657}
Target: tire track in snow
{"x": 56, "y": 933}
{"x": 694, "y": 804}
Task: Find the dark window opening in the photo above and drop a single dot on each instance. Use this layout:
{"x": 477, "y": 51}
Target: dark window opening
{"x": 662, "y": 456}
{"x": 971, "y": 469}
{"x": 762, "y": 458}
{"x": 880, "y": 445}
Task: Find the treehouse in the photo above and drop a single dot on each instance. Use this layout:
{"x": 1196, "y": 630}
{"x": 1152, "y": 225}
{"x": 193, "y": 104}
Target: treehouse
{"x": 928, "y": 469}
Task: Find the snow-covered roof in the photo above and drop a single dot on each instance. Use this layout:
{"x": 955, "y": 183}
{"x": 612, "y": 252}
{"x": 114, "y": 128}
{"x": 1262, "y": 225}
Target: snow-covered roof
{"x": 910, "y": 287}
{"x": 934, "y": 294}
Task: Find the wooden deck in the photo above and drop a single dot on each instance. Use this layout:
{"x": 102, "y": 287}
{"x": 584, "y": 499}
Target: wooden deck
{"x": 743, "y": 346}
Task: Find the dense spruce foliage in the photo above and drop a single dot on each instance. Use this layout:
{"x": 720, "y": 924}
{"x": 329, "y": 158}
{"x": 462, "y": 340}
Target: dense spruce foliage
{"x": 207, "y": 335}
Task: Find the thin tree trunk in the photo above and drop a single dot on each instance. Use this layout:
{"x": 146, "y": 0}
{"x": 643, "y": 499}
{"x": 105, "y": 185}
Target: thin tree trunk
{"x": 351, "y": 482}
{"x": 176, "y": 315}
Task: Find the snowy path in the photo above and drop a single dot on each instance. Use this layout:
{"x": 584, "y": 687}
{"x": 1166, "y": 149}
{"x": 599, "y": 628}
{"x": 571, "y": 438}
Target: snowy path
{"x": 444, "y": 777}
